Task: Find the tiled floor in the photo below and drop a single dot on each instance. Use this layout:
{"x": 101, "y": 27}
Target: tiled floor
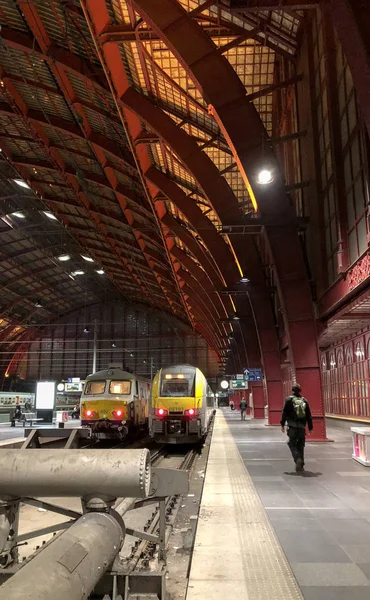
{"x": 322, "y": 519}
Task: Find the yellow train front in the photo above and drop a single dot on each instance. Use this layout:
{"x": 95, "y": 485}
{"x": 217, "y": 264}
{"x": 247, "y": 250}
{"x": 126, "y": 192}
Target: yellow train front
{"x": 182, "y": 405}
{"x": 115, "y": 403}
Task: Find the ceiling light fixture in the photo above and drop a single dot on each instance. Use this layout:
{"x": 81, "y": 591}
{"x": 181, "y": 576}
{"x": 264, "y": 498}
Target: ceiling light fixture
{"x": 38, "y": 304}
{"x": 20, "y": 215}
{"x": 78, "y": 272}
{"x": 49, "y": 215}
{"x": 64, "y": 257}
{"x": 86, "y": 330}
{"x": 114, "y": 345}
{"x": 244, "y": 280}
{"x": 100, "y": 271}
{"x": 265, "y": 177}
{"x": 22, "y": 183}
{"x": 87, "y": 258}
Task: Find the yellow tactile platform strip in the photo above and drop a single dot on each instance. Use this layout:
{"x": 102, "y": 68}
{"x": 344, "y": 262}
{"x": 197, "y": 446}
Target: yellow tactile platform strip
{"x": 236, "y": 551}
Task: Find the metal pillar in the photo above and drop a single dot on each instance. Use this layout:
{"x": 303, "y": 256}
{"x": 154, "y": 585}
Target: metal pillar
{"x": 95, "y": 345}
{"x": 107, "y": 474}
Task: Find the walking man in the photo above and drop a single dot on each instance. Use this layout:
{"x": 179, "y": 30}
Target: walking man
{"x": 243, "y": 409}
{"x": 297, "y": 415}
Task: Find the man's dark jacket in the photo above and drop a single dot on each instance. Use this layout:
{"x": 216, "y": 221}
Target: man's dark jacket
{"x": 290, "y": 416}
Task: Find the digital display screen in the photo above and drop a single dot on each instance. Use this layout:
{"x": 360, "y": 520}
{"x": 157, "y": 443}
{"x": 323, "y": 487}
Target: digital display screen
{"x": 45, "y": 395}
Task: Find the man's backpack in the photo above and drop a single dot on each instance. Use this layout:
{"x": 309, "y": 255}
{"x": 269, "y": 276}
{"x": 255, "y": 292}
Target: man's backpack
{"x": 299, "y": 407}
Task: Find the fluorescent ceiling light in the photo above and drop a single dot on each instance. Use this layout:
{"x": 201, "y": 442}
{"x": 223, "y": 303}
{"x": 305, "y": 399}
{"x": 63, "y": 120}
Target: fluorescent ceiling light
{"x": 64, "y": 257}
{"x": 20, "y": 215}
{"x": 78, "y": 272}
{"x": 22, "y": 183}
{"x": 100, "y": 271}
{"x": 49, "y": 215}
{"x": 87, "y": 258}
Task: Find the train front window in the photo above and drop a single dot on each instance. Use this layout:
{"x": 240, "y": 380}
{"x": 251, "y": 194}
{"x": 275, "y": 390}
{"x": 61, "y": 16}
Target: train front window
{"x": 94, "y": 388}
{"x": 120, "y": 387}
{"x": 177, "y": 387}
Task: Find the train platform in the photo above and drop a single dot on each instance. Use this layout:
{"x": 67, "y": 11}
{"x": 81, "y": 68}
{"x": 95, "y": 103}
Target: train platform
{"x": 266, "y": 532}
{"x": 7, "y": 432}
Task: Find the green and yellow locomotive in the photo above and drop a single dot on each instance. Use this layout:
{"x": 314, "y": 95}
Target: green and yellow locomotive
{"x": 115, "y": 403}
{"x": 182, "y": 405}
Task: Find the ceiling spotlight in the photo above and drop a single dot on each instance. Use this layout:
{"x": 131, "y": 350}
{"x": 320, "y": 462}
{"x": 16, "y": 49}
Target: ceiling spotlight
{"x": 38, "y": 304}
{"x": 20, "y": 215}
{"x": 114, "y": 345}
{"x": 236, "y": 318}
{"x": 78, "y": 272}
{"x": 100, "y": 271}
{"x": 64, "y": 257}
{"x": 49, "y": 215}
{"x": 22, "y": 183}
{"x": 131, "y": 354}
{"x": 86, "y": 330}
{"x": 264, "y": 177}
{"x": 144, "y": 361}
{"x": 87, "y": 258}
{"x": 244, "y": 280}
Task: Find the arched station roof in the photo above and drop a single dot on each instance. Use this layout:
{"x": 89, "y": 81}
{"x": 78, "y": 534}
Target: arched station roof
{"x": 116, "y": 115}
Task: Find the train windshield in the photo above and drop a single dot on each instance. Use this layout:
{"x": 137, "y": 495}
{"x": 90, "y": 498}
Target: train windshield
{"x": 176, "y": 387}
{"x": 94, "y": 388}
{"x": 120, "y": 387}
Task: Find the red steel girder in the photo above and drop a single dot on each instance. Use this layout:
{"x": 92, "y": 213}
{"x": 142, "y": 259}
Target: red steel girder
{"x": 129, "y": 120}
{"x": 256, "y": 5}
{"x": 68, "y": 127}
{"x": 244, "y": 131}
{"x": 34, "y": 21}
{"x": 216, "y": 245}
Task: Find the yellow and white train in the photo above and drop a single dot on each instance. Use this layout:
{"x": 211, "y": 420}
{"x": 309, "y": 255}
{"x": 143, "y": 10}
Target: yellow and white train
{"x": 182, "y": 405}
{"x": 114, "y": 403}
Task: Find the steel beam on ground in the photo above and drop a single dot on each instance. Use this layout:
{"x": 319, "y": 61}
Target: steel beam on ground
{"x": 83, "y": 473}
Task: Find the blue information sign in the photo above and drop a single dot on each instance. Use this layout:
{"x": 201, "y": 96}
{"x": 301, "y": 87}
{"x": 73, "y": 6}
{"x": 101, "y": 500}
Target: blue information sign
{"x": 255, "y": 374}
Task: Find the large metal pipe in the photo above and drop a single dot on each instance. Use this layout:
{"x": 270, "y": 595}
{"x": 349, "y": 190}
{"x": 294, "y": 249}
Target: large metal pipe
{"x": 86, "y": 473}
{"x": 70, "y": 567}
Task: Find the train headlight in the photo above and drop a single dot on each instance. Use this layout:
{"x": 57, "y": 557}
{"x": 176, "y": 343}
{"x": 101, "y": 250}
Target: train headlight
{"x": 161, "y": 412}
{"x": 117, "y": 413}
{"x": 90, "y": 413}
{"x": 191, "y": 412}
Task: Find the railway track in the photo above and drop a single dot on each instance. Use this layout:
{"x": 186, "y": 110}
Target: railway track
{"x": 144, "y": 552}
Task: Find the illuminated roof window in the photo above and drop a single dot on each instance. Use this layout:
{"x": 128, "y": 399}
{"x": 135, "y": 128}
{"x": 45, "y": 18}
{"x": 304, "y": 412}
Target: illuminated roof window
{"x": 22, "y": 183}
{"x": 49, "y": 215}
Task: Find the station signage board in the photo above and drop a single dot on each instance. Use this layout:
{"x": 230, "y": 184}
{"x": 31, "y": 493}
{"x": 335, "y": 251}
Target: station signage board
{"x": 238, "y": 384}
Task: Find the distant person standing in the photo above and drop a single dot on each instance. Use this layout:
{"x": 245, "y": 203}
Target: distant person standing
{"x": 243, "y": 409}
{"x": 231, "y": 404}
{"x": 297, "y": 415}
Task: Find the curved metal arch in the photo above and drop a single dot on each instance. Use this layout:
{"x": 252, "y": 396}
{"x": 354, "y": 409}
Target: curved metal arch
{"x": 247, "y": 138}
{"x": 205, "y": 228}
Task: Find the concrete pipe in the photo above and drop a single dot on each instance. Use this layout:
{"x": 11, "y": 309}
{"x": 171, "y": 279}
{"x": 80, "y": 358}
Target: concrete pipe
{"x": 70, "y": 566}
{"x": 85, "y": 473}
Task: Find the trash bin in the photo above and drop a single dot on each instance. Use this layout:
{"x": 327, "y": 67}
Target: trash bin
{"x": 361, "y": 445}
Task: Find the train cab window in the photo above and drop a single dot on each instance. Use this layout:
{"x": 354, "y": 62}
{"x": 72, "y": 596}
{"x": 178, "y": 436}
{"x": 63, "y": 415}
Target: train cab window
{"x": 94, "y": 388}
{"x": 177, "y": 387}
{"x": 120, "y": 387}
